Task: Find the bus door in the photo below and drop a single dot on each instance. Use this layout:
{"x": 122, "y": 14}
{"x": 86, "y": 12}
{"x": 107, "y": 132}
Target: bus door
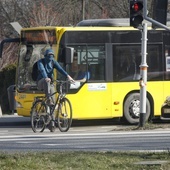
{"x": 91, "y": 94}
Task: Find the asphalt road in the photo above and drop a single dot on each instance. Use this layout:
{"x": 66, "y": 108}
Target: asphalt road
{"x": 16, "y": 136}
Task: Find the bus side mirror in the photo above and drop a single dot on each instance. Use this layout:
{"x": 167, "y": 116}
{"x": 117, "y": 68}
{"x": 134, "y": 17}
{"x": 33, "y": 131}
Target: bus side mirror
{"x": 1, "y": 49}
{"x": 68, "y": 55}
{"x": 2, "y": 45}
{"x": 9, "y": 40}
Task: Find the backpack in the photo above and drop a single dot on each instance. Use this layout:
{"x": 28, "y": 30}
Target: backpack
{"x": 35, "y": 70}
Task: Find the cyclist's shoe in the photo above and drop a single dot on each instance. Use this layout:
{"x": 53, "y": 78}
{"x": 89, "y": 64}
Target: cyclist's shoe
{"x": 50, "y": 102}
{"x": 52, "y": 129}
{"x": 51, "y": 126}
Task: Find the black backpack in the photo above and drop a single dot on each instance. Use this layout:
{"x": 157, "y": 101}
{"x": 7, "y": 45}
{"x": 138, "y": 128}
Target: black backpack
{"x": 35, "y": 70}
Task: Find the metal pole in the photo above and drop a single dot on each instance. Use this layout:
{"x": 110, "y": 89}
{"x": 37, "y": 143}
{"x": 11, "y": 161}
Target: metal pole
{"x": 83, "y": 9}
{"x": 144, "y": 66}
{"x": 145, "y": 11}
{"x": 143, "y": 79}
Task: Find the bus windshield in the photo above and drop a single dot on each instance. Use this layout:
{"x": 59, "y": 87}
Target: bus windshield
{"x": 32, "y": 48}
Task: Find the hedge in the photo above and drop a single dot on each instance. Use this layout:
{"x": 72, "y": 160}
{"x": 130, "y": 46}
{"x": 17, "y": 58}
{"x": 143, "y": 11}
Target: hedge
{"x": 7, "y": 78}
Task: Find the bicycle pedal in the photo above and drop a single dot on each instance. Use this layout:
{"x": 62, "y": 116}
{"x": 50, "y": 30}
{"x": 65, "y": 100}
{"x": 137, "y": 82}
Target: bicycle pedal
{"x": 64, "y": 114}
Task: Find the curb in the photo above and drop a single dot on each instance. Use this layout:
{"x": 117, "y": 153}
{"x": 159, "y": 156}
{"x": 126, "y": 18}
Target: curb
{"x": 0, "y": 111}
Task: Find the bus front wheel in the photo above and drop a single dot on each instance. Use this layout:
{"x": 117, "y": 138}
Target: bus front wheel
{"x": 132, "y": 108}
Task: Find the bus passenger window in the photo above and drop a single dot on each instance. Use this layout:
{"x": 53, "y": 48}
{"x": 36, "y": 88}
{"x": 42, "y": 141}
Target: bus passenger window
{"x": 154, "y": 62}
{"x": 96, "y": 61}
{"x": 126, "y": 61}
{"x": 167, "y": 62}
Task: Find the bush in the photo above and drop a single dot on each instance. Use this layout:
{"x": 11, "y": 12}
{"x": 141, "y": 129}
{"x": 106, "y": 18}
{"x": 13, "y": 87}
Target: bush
{"x": 7, "y": 78}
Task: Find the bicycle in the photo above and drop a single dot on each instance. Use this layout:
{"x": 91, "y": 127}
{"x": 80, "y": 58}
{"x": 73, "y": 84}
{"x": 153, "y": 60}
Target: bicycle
{"x": 43, "y": 115}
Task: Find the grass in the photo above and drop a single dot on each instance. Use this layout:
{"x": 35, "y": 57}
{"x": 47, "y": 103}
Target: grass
{"x": 89, "y": 160}
{"x": 84, "y": 161}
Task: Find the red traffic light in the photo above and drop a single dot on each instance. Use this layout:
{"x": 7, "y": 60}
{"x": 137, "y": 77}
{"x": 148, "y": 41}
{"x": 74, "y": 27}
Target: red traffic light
{"x": 136, "y": 13}
{"x": 136, "y": 7}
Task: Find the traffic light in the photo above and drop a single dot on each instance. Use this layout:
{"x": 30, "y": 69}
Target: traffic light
{"x": 136, "y": 13}
{"x": 160, "y": 11}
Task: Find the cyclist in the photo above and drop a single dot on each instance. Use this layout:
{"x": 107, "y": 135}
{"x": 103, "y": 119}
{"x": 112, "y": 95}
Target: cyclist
{"x": 45, "y": 76}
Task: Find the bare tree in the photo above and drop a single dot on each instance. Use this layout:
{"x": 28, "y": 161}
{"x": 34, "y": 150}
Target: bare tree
{"x": 44, "y": 16}
{"x": 30, "y": 13}
{"x": 26, "y": 13}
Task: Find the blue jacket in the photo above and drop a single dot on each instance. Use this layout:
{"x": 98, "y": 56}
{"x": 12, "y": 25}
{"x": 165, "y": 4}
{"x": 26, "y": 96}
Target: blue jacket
{"x": 46, "y": 68}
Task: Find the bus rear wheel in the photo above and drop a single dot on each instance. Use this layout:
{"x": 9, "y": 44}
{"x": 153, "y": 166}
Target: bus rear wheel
{"x": 132, "y": 108}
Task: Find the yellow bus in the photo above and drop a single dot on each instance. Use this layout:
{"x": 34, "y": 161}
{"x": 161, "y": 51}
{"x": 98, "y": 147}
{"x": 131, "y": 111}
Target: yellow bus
{"x": 110, "y": 52}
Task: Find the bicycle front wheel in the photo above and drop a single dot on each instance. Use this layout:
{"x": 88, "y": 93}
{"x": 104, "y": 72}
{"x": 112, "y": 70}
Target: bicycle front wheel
{"x": 38, "y": 115}
{"x": 64, "y": 115}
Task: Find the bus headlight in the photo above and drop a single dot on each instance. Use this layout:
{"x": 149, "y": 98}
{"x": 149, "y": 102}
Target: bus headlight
{"x": 19, "y": 105}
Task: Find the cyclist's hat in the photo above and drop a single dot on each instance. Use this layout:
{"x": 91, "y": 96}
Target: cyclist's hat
{"x": 48, "y": 52}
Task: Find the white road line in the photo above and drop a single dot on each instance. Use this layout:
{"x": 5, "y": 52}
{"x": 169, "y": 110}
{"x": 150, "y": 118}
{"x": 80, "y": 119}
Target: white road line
{"x": 81, "y": 135}
{"x": 25, "y": 142}
{"x": 54, "y": 144}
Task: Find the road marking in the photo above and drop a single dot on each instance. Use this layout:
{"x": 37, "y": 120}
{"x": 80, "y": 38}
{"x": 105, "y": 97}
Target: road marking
{"x": 25, "y": 142}
{"x": 4, "y": 131}
{"x": 54, "y": 144}
{"x": 82, "y": 135}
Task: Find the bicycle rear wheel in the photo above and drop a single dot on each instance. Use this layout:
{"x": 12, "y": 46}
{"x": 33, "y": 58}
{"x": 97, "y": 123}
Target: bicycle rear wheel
{"x": 38, "y": 115}
{"x": 64, "y": 115}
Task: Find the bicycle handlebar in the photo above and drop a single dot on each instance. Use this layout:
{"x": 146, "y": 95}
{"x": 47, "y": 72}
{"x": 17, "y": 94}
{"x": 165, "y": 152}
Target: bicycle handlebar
{"x": 64, "y": 81}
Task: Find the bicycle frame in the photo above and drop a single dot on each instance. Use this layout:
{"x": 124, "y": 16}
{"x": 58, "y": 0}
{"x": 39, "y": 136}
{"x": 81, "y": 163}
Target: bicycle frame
{"x": 60, "y": 96}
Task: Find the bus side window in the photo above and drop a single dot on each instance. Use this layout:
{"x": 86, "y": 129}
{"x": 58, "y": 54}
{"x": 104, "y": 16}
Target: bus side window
{"x": 97, "y": 71}
{"x": 126, "y": 61}
{"x": 167, "y": 75}
{"x": 96, "y": 62}
{"x": 167, "y": 62}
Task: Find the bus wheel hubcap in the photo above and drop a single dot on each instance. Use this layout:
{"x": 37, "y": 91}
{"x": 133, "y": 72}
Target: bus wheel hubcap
{"x": 134, "y": 108}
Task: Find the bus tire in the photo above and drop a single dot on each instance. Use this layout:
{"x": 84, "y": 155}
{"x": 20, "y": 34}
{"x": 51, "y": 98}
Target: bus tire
{"x": 131, "y": 108}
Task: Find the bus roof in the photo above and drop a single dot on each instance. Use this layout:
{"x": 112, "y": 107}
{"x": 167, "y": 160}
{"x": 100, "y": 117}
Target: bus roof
{"x": 94, "y": 25}
{"x": 115, "y": 22}
{"x": 123, "y": 22}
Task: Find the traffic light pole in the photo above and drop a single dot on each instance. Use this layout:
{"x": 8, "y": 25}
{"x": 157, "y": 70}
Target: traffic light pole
{"x": 143, "y": 79}
{"x": 145, "y": 11}
{"x": 144, "y": 66}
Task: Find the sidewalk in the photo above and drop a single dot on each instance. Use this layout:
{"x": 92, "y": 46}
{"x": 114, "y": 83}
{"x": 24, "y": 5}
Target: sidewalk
{"x": 13, "y": 120}
{"x": 10, "y": 115}
{"x": 0, "y": 111}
